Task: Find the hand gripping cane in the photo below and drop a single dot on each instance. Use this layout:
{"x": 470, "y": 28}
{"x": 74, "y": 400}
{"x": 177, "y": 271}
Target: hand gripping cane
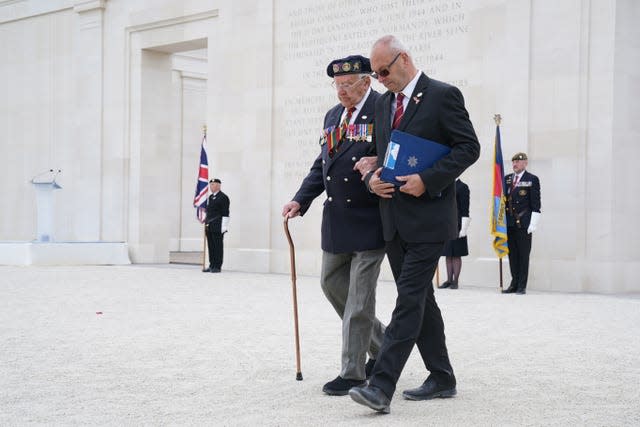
{"x": 292, "y": 253}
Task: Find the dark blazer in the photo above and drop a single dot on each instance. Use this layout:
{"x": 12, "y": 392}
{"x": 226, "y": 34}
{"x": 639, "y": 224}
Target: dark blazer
{"x": 523, "y": 200}
{"x": 217, "y": 207}
{"x": 350, "y": 218}
{"x": 435, "y": 111}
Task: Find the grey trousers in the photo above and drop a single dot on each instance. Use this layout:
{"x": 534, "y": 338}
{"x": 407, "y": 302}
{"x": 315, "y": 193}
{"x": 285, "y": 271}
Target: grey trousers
{"x": 349, "y": 282}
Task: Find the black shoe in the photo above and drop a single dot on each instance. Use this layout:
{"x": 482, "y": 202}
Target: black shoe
{"x": 340, "y": 386}
{"x": 207, "y": 270}
{"x": 214, "y": 270}
{"x": 454, "y": 285}
{"x": 521, "y": 291}
{"x": 431, "y": 389}
{"x": 368, "y": 368}
{"x": 372, "y": 397}
{"x": 510, "y": 290}
{"x": 445, "y": 285}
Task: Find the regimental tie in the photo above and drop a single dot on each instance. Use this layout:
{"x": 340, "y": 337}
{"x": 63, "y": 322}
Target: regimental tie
{"x": 514, "y": 184}
{"x": 343, "y": 129}
{"x": 397, "y": 117}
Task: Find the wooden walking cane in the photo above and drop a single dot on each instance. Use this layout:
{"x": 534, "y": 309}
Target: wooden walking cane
{"x": 292, "y": 253}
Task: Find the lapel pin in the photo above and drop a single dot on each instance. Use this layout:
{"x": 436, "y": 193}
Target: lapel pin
{"x": 364, "y": 117}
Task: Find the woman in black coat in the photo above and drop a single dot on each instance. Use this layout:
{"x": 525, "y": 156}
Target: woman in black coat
{"x": 455, "y": 249}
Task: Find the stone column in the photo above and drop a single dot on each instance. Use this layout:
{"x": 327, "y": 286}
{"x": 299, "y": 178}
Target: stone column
{"x": 86, "y": 175}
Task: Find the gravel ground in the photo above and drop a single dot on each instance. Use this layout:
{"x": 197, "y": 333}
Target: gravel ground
{"x": 169, "y": 345}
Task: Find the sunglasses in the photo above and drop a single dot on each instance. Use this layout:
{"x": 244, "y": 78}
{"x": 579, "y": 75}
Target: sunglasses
{"x": 385, "y": 71}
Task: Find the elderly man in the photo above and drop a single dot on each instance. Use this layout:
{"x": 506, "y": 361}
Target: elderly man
{"x": 352, "y": 244}
{"x": 523, "y": 213}
{"x": 418, "y": 217}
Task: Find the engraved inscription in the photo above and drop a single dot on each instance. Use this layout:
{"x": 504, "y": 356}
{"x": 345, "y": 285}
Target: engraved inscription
{"x": 310, "y": 34}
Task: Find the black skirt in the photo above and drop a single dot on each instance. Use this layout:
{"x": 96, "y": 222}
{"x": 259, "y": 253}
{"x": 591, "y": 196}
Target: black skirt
{"x": 456, "y": 247}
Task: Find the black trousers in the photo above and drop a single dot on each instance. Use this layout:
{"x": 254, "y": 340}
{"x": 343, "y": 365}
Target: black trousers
{"x": 216, "y": 249}
{"x": 416, "y": 318}
{"x": 519, "y": 242}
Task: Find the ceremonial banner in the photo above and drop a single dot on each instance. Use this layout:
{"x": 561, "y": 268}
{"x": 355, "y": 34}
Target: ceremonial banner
{"x": 498, "y": 223}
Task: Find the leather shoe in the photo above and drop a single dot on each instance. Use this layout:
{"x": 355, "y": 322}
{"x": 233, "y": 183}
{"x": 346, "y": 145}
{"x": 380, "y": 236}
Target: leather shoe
{"x": 509, "y": 290}
{"x": 371, "y": 396}
{"x": 431, "y": 389}
{"x": 445, "y": 285}
{"x": 341, "y": 386}
{"x": 215, "y": 270}
{"x": 521, "y": 292}
{"x": 368, "y": 368}
{"x": 207, "y": 270}
{"x": 454, "y": 285}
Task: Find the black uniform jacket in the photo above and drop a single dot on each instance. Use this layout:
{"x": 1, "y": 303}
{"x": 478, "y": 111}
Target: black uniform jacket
{"x": 524, "y": 199}
{"x": 217, "y": 207}
{"x": 350, "y": 218}
{"x": 435, "y": 111}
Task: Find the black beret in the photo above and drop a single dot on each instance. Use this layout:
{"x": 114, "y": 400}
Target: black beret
{"x": 215, "y": 180}
{"x": 519, "y": 156}
{"x": 354, "y": 64}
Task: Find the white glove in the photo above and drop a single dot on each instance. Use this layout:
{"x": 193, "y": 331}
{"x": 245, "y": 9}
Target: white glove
{"x": 535, "y": 218}
{"x": 464, "y": 226}
{"x": 225, "y": 224}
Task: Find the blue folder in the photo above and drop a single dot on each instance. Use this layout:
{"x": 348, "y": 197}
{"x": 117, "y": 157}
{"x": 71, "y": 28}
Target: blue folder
{"x": 408, "y": 154}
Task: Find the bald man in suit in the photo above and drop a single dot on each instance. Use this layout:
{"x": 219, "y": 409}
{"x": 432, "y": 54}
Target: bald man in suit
{"x": 417, "y": 219}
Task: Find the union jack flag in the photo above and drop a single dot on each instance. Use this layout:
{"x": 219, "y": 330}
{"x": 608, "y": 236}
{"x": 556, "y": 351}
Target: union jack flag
{"x": 202, "y": 186}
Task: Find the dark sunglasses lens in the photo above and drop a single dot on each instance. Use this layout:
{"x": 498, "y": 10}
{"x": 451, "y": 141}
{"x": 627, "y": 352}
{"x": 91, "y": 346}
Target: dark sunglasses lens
{"x": 384, "y": 73}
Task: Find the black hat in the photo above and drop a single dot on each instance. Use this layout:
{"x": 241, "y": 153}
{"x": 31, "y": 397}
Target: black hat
{"x": 215, "y": 180}
{"x": 354, "y": 64}
{"x": 519, "y": 156}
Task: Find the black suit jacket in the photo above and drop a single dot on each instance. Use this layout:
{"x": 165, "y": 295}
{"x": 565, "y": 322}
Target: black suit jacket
{"x": 435, "y": 111}
{"x": 217, "y": 207}
{"x": 523, "y": 200}
{"x": 350, "y": 217}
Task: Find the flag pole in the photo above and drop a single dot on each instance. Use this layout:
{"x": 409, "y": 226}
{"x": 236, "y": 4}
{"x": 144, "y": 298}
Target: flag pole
{"x": 204, "y": 226}
{"x": 498, "y": 119}
{"x": 204, "y": 245}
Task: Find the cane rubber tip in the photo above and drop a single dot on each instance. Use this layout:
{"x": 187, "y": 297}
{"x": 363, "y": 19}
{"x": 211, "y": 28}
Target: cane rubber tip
{"x": 299, "y": 376}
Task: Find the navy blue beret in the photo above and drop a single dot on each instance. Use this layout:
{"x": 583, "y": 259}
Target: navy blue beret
{"x": 354, "y": 64}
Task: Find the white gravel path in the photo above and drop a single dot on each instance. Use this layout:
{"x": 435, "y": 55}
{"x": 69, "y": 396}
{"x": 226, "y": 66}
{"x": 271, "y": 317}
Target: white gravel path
{"x": 174, "y": 346}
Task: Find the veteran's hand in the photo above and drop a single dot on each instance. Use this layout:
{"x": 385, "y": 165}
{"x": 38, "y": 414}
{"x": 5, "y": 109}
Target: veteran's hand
{"x": 365, "y": 165}
{"x": 381, "y": 188}
{"x": 412, "y": 184}
{"x": 291, "y": 209}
